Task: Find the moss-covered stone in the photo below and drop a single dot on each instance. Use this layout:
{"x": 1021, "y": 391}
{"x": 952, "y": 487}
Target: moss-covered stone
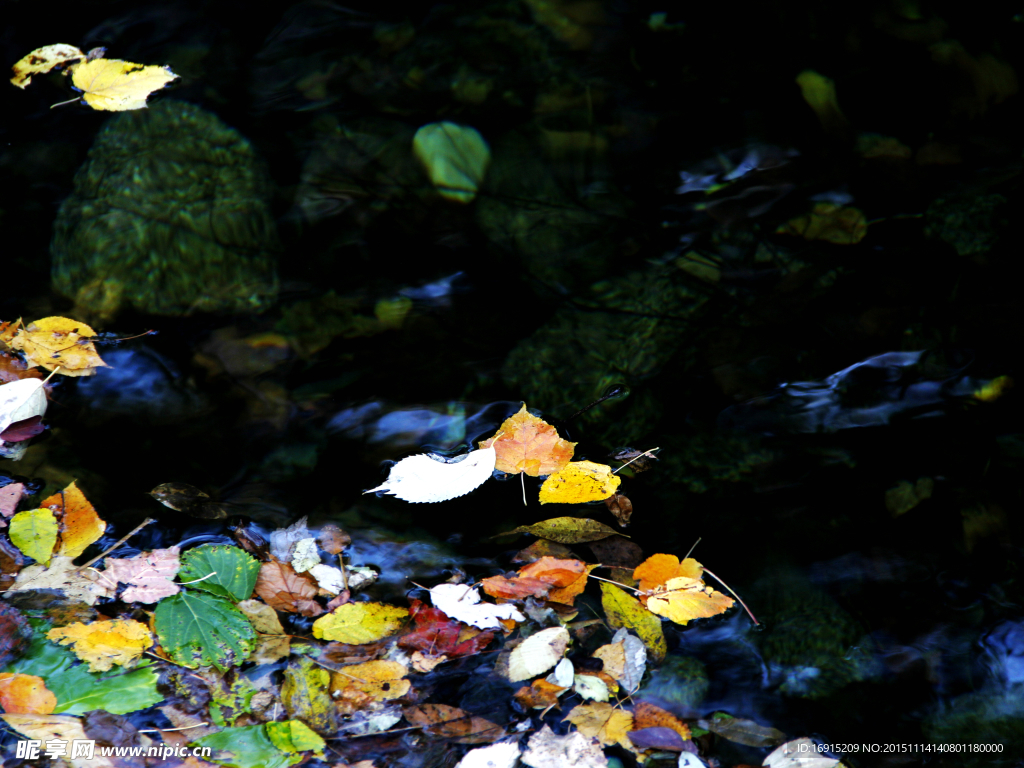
{"x": 169, "y": 215}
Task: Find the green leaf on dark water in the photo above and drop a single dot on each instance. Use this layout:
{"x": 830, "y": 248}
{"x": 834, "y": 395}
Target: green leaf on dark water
{"x": 78, "y": 690}
{"x": 306, "y": 696}
{"x": 455, "y": 157}
{"x": 220, "y": 570}
{"x": 295, "y": 736}
{"x": 248, "y": 747}
{"x": 199, "y": 630}
{"x": 566, "y": 530}
{"x": 34, "y": 532}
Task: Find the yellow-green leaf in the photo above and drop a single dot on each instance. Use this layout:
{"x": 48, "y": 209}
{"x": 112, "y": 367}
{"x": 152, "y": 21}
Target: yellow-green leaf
{"x": 34, "y": 532}
{"x": 579, "y": 482}
{"x": 295, "y": 736}
{"x": 115, "y": 86}
{"x": 455, "y": 157}
{"x": 624, "y": 610}
{"x": 566, "y": 530}
{"x": 358, "y": 623}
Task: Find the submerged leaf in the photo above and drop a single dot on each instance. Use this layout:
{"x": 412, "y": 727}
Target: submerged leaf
{"x": 452, "y": 723}
{"x": 455, "y": 157}
{"x": 566, "y": 530}
{"x": 306, "y": 695}
{"x": 426, "y": 478}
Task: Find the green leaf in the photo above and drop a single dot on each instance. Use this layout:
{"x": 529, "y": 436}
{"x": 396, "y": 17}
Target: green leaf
{"x": 77, "y": 689}
{"x": 34, "y": 532}
{"x": 248, "y": 747}
{"x": 295, "y": 736}
{"x": 455, "y": 157}
{"x": 306, "y": 695}
{"x": 220, "y": 570}
{"x": 200, "y": 630}
{"x": 566, "y": 530}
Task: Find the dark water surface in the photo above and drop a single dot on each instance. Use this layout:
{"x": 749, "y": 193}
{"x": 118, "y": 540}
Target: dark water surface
{"x": 645, "y": 223}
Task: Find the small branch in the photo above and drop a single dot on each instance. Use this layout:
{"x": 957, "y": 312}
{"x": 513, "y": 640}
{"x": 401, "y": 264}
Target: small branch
{"x": 693, "y": 548}
{"x": 62, "y": 103}
{"x": 522, "y": 481}
{"x": 740, "y": 599}
{"x": 645, "y": 453}
{"x": 121, "y": 541}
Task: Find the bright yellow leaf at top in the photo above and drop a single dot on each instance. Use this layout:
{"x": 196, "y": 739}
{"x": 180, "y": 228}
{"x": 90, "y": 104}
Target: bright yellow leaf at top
{"x": 579, "y": 482}
{"x": 80, "y": 525}
{"x": 682, "y": 599}
{"x": 59, "y": 342}
{"x": 104, "y": 643}
{"x": 526, "y": 443}
{"x": 42, "y": 60}
{"x": 359, "y": 623}
{"x": 116, "y": 86}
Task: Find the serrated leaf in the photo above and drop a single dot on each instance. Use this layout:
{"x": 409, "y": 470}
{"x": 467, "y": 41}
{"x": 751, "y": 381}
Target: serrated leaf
{"x": 34, "y": 532}
{"x": 424, "y": 478}
{"x": 199, "y": 630}
{"x": 221, "y": 570}
{"x": 566, "y": 530}
{"x": 360, "y": 622}
{"x": 247, "y": 747}
{"x": 538, "y": 653}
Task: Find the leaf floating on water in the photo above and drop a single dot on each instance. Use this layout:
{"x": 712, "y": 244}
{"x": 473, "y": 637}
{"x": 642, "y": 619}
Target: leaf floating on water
{"x": 198, "y": 629}
{"x": 455, "y": 157}
{"x": 538, "y": 653}
{"x": 34, "y": 532}
{"x": 449, "y": 722}
{"x": 149, "y": 575}
{"x": 462, "y": 603}
{"x": 59, "y": 342}
{"x": 579, "y": 482}
{"x": 829, "y": 222}
{"x": 424, "y": 478}
{"x": 682, "y": 600}
{"x": 657, "y": 569}
{"x": 526, "y": 443}
{"x": 182, "y": 497}
{"x": 602, "y": 721}
{"x": 359, "y": 623}
{"x": 113, "y": 85}
{"x": 20, "y": 400}
{"x": 566, "y": 530}
{"x": 104, "y": 643}
{"x": 25, "y": 694}
{"x": 746, "y": 732}
{"x": 42, "y": 60}
{"x": 80, "y": 525}
{"x": 220, "y": 570}
{"x": 624, "y": 610}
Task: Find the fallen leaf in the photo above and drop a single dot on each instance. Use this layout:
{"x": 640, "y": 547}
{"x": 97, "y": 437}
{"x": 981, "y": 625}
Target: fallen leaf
{"x": 306, "y": 695}
{"x": 113, "y": 85}
{"x": 546, "y": 750}
{"x": 285, "y": 590}
{"x": 42, "y": 60}
{"x": 220, "y": 570}
{"x": 452, "y": 723}
{"x": 617, "y": 552}
{"x": 657, "y": 569}
{"x": 34, "y": 532}
{"x": 305, "y": 555}
{"x": 295, "y": 736}
{"x": 149, "y": 575}
{"x": 624, "y": 610}
{"x": 504, "y": 754}
{"x": 360, "y": 622}
{"x": 639, "y": 461}
{"x": 559, "y": 573}
{"x": 353, "y": 686}
{"x": 462, "y": 603}
{"x": 331, "y": 580}
{"x": 80, "y": 526}
{"x": 20, "y": 400}
{"x": 647, "y": 715}
{"x": 25, "y": 695}
{"x": 272, "y": 644}
{"x": 746, "y": 732}
{"x": 635, "y": 659}
{"x": 516, "y": 588}
{"x": 63, "y": 728}
{"x": 59, "y": 342}
{"x": 538, "y": 653}
{"x": 541, "y": 548}
{"x": 906, "y": 495}
{"x": 199, "y": 629}
{"x": 591, "y": 687}
{"x": 613, "y": 656}
{"x": 245, "y": 747}
{"x": 566, "y": 530}
{"x": 820, "y": 94}
{"x": 526, "y": 443}
{"x": 620, "y": 506}
{"x": 77, "y": 584}
{"x": 438, "y": 636}
{"x": 540, "y": 694}
{"x": 426, "y": 478}
{"x": 10, "y": 495}
{"x": 656, "y": 737}
{"x": 333, "y": 539}
{"x": 579, "y": 482}
{"x": 829, "y": 222}
{"x": 683, "y": 599}
{"x": 102, "y": 644}
{"x": 992, "y": 390}
{"x": 602, "y": 721}
{"x": 455, "y": 158}
{"x": 799, "y": 753}
{"x": 182, "y": 497}
{"x": 15, "y": 634}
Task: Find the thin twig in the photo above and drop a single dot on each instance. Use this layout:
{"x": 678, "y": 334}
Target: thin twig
{"x": 740, "y": 599}
{"x": 640, "y": 456}
{"x": 693, "y": 547}
{"x": 122, "y": 540}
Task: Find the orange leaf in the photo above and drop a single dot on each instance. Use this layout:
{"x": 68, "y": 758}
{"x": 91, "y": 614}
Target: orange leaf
{"x": 657, "y": 569}
{"x": 557, "y": 573}
{"x": 647, "y": 715}
{"x": 80, "y": 525}
{"x": 567, "y": 594}
{"x": 516, "y": 588}
{"x": 453, "y": 723}
{"x": 529, "y": 445}
{"x": 540, "y": 694}
{"x": 25, "y": 695}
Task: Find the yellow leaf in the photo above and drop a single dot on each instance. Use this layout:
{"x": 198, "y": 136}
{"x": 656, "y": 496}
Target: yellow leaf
{"x": 993, "y": 390}
{"x": 104, "y": 643}
{"x": 624, "y": 610}
{"x": 359, "y": 684}
{"x": 115, "y": 86}
{"x": 59, "y": 342}
{"x": 34, "y": 532}
{"x": 657, "y": 569}
{"x": 567, "y": 530}
{"x": 601, "y": 721}
{"x": 682, "y": 599}
{"x": 25, "y": 694}
{"x": 526, "y": 443}
{"x": 613, "y": 656}
{"x": 80, "y": 525}
{"x": 359, "y": 623}
{"x": 42, "y": 60}
{"x": 579, "y": 482}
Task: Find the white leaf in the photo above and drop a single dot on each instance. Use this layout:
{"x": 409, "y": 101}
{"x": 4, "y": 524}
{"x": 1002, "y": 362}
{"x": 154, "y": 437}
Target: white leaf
{"x": 563, "y": 675}
{"x": 504, "y": 754}
{"x": 462, "y": 603}
{"x": 426, "y": 478}
{"x": 546, "y": 750}
{"x": 20, "y": 400}
{"x": 455, "y": 157}
{"x": 305, "y": 555}
{"x": 537, "y": 653}
{"x": 591, "y": 687}
{"x": 283, "y": 539}
{"x": 328, "y": 577}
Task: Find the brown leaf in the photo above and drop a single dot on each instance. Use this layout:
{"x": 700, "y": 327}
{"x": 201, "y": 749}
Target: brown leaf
{"x": 15, "y": 634}
{"x": 542, "y": 548}
{"x": 647, "y": 715}
{"x": 458, "y": 725}
{"x": 283, "y": 589}
{"x": 528, "y": 444}
{"x": 617, "y": 552}
{"x": 620, "y": 506}
{"x": 639, "y": 461}
{"x": 657, "y": 737}
{"x": 515, "y": 588}
{"x": 744, "y": 731}
{"x": 333, "y": 539}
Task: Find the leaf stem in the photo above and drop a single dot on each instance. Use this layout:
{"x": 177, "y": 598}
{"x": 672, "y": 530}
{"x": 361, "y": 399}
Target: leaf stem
{"x": 121, "y": 541}
{"x": 640, "y": 456}
{"x": 62, "y": 103}
{"x": 740, "y": 599}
